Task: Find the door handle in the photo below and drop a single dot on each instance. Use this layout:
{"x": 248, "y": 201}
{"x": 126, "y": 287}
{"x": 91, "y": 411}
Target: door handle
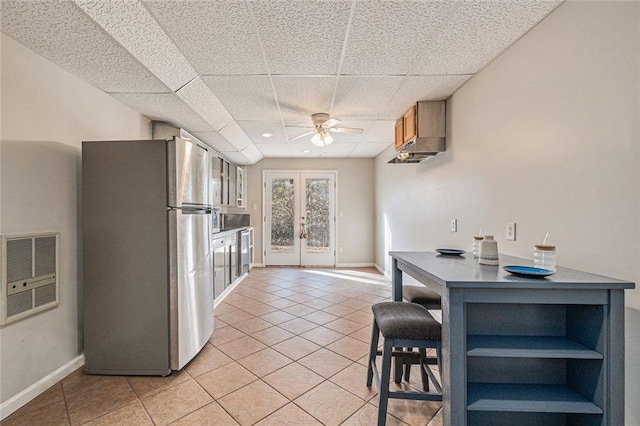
{"x": 303, "y": 230}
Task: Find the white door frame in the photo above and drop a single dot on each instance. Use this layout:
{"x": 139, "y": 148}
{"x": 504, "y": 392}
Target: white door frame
{"x": 299, "y": 194}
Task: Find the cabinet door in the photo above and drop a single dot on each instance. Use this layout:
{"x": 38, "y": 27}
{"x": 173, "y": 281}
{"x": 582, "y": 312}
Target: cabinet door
{"x": 233, "y": 190}
{"x": 224, "y": 165}
{"x": 219, "y": 270}
{"x": 216, "y": 181}
{"x": 399, "y": 140}
{"x": 409, "y": 124}
{"x": 240, "y": 187}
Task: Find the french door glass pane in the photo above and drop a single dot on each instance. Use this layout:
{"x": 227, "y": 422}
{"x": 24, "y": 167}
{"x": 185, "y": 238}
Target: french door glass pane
{"x": 317, "y": 202}
{"x": 282, "y": 215}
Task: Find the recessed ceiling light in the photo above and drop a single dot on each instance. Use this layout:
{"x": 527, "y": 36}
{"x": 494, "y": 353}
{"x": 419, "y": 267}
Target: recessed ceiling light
{"x": 267, "y": 135}
{"x": 306, "y": 151}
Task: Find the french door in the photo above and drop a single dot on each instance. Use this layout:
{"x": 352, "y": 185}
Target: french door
{"x": 300, "y": 218}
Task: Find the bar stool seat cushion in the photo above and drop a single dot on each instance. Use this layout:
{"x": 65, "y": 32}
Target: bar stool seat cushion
{"x": 399, "y": 320}
{"x": 422, "y": 296}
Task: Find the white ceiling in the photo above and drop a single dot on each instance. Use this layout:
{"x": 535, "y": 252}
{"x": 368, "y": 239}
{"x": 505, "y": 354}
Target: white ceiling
{"x": 228, "y": 71}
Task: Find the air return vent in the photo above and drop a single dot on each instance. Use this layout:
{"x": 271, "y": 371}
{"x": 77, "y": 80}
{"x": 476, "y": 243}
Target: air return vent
{"x": 29, "y": 279}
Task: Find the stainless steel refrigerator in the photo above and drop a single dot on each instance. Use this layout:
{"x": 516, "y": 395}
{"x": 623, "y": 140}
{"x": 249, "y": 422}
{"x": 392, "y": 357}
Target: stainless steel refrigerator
{"x": 146, "y": 255}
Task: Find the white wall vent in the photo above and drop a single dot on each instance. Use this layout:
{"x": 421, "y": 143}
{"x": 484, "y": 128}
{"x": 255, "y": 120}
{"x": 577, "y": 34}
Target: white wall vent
{"x": 29, "y": 275}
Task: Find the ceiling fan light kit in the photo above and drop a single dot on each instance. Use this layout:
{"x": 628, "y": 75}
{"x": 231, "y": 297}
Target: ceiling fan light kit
{"x": 321, "y": 139}
{"x": 322, "y": 125}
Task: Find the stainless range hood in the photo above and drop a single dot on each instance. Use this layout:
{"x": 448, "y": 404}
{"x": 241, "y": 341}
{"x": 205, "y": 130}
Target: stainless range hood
{"x": 430, "y": 134}
{"x": 421, "y": 149}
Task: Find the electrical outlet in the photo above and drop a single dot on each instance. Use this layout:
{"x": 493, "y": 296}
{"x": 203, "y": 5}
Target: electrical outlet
{"x": 454, "y": 225}
{"x": 340, "y": 249}
{"x": 511, "y": 231}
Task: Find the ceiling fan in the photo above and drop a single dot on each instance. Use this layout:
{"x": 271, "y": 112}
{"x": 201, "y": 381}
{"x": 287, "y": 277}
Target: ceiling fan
{"x": 323, "y": 125}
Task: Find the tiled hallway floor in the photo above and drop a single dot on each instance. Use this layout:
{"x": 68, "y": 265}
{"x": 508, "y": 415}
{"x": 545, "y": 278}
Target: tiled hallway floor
{"x": 289, "y": 348}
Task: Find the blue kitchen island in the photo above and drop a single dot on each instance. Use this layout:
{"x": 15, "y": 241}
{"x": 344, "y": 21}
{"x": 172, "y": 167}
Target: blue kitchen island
{"x": 520, "y": 350}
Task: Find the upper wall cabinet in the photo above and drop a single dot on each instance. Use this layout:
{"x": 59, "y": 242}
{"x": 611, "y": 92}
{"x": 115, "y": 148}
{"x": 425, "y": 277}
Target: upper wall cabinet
{"x": 405, "y": 129}
{"x": 425, "y": 119}
{"x": 409, "y": 124}
{"x": 223, "y": 182}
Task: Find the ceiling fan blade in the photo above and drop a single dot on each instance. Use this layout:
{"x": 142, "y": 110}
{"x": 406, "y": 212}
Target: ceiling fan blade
{"x": 300, "y": 127}
{"x": 351, "y": 130}
{"x": 302, "y": 135}
{"x": 330, "y": 123}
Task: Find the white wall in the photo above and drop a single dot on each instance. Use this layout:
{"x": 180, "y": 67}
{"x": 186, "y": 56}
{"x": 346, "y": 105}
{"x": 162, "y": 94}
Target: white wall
{"x": 546, "y": 136}
{"x": 355, "y": 232}
{"x": 46, "y": 114}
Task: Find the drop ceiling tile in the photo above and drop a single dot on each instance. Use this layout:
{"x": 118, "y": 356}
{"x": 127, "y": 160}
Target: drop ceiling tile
{"x": 375, "y": 47}
{"x": 166, "y": 107}
{"x": 215, "y": 140}
{"x": 131, "y": 24}
{"x": 234, "y": 134}
{"x": 478, "y": 32}
{"x": 246, "y": 97}
{"x": 422, "y": 88}
{"x": 275, "y": 150}
{"x": 299, "y": 97}
{"x": 338, "y": 149}
{"x": 255, "y": 129}
{"x": 302, "y": 37}
{"x": 381, "y": 131}
{"x": 364, "y": 97}
{"x": 216, "y": 36}
{"x": 252, "y": 154}
{"x": 368, "y": 149}
{"x": 63, "y": 34}
{"x": 199, "y": 97}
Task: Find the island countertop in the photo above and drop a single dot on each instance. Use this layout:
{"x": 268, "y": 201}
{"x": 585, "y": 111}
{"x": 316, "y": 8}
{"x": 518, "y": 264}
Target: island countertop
{"x": 465, "y": 272}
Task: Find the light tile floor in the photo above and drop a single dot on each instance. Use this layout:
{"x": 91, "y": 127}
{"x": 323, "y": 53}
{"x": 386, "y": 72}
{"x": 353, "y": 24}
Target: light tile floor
{"x": 289, "y": 348}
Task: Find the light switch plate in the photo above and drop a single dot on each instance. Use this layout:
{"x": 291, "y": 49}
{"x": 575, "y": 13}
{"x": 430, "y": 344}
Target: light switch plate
{"x": 454, "y": 225}
{"x": 511, "y": 231}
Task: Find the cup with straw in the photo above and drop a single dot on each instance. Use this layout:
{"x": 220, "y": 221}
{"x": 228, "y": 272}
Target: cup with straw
{"x": 544, "y": 255}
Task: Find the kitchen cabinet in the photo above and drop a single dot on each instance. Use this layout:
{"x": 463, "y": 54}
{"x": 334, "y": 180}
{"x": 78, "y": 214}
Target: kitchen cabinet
{"x": 228, "y": 186}
{"x": 225, "y": 261}
{"x": 240, "y": 187}
{"x": 409, "y": 124}
{"x": 399, "y": 131}
{"x": 421, "y": 131}
{"x": 405, "y": 129}
{"x": 220, "y": 265}
{"x": 216, "y": 180}
{"x": 224, "y": 175}
{"x": 233, "y": 190}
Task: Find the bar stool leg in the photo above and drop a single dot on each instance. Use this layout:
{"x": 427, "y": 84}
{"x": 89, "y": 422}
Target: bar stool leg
{"x": 383, "y": 392}
{"x": 398, "y": 363}
{"x": 423, "y": 374}
{"x": 373, "y": 350}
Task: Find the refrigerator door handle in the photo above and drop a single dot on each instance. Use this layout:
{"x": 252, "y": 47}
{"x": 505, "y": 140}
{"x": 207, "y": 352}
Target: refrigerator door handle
{"x": 192, "y": 210}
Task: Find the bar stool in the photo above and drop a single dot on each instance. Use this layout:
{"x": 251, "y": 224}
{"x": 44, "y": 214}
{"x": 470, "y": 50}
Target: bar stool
{"x": 402, "y": 325}
{"x": 430, "y": 300}
{"x": 422, "y": 296}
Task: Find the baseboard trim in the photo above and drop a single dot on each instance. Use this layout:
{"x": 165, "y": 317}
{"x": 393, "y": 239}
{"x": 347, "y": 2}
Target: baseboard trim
{"x": 19, "y": 400}
{"x": 386, "y": 274}
{"x": 355, "y": 265}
